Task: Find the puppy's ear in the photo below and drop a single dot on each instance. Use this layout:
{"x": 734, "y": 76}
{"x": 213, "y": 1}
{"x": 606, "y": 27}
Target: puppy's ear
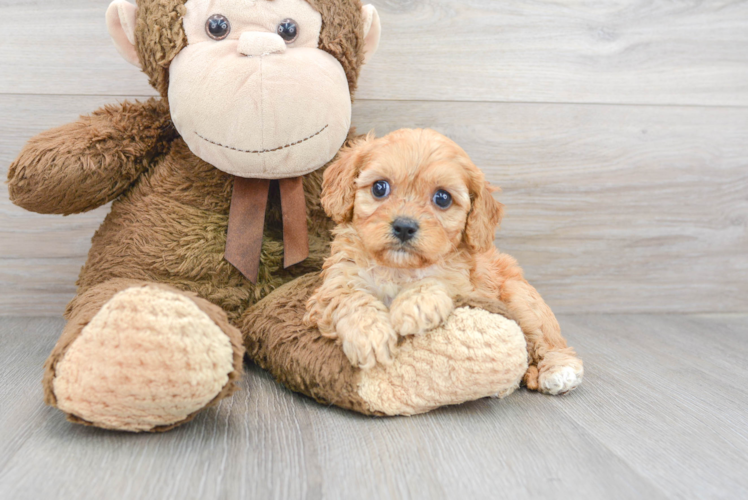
{"x": 485, "y": 213}
{"x": 339, "y": 180}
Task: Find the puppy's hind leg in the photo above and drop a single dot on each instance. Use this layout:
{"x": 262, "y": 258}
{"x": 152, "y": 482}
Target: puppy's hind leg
{"x": 554, "y": 367}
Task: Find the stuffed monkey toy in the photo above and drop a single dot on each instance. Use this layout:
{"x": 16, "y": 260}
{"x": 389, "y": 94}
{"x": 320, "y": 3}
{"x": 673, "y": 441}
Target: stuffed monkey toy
{"x": 216, "y": 233}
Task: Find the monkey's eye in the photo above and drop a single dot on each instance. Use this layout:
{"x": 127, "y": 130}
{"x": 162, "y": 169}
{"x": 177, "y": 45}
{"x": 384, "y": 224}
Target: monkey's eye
{"x": 442, "y": 199}
{"x": 218, "y": 27}
{"x": 288, "y": 30}
{"x": 380, "y": 189}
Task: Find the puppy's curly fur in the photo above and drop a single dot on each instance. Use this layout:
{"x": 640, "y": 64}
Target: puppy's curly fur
{"x": 379, "y": 285}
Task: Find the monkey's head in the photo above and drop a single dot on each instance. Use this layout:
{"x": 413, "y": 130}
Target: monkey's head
{"x": 257, "y": 88}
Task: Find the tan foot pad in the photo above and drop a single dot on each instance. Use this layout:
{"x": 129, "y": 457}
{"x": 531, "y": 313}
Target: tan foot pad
{"x": 474, "y": 355}
{"x": 149, "y": 358}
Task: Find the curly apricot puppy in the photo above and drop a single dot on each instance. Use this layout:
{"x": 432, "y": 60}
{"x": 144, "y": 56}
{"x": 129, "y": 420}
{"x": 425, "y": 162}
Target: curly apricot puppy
{"x": 416, "y": 230}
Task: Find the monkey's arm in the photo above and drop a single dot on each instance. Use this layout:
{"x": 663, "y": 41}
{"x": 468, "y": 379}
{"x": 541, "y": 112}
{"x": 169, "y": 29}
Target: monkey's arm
{"x": 82, "y": 165}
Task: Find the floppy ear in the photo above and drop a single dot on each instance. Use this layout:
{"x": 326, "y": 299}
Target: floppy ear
{"x": 485, "y": 214}
{"x": 120, "y": 21}
{"x": 339, "y": 180}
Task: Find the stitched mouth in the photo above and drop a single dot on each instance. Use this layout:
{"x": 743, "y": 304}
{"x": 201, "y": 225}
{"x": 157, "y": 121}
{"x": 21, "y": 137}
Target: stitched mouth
{"x": 262, "y": 151}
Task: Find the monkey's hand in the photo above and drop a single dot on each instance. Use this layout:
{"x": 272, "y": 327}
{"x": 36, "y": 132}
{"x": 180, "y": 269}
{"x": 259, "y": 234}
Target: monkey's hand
{"x": 421, "y": 308}
{"x": 85, "y": 164}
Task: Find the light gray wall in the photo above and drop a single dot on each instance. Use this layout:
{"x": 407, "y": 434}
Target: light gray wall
{"x": 618, "y": 131}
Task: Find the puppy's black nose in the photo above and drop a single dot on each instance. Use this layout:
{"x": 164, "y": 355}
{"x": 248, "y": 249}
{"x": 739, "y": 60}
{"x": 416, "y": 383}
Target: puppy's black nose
{"x": 404, "y": 229}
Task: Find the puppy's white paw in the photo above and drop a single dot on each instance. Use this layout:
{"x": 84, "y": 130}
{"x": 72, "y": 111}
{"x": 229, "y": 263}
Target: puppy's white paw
{"x": 419, "y": 312}
{"x": 560, "y": 379}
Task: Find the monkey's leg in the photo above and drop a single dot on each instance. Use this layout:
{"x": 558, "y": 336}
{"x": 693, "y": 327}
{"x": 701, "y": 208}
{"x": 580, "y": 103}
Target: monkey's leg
{"x": 474, "y": 354}
{"x": 139, "y": 356}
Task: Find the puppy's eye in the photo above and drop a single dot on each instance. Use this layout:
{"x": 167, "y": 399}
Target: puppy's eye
{"x": 288, "y": 30}
{"x": 218, "y": 27}
{"x": 380, "y": 189}
{"x": 442, "y": 199}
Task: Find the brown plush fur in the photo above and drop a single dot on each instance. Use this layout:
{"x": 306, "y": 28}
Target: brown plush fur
{"x": 377, "y": 287}
{"x": 298, "y": 356}
{"x": 170, "y": 225}
{"x": 171, "y": 228}
{"x": 88, "y": 163}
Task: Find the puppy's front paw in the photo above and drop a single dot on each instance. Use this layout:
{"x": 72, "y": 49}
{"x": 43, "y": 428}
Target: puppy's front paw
{"x": 367, "y": 337}
{"x": 420, "y": 311}
{"x": 559, "y": 373}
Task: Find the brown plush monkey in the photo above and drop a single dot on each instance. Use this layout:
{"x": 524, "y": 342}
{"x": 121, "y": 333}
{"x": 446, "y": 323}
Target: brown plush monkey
{"x": 199, "y": 231}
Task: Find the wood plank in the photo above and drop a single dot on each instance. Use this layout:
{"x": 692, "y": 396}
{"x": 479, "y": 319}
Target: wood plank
{"x": 653, "y": 419}
{"x": 646, "y": 52}
{"x": 609, "y": 208}
{"x": 25, "y": 343}
{"x": 668, "y": 399}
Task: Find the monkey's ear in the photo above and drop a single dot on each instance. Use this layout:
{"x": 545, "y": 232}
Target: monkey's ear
{"x": 120, "y": 21}
{"x": 372, "y": 31}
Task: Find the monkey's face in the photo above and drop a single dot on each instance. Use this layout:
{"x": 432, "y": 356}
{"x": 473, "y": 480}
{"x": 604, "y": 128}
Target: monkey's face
{"x": 252, "y": 94}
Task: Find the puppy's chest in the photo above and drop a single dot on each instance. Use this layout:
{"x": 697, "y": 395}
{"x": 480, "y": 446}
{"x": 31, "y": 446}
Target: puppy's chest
{"x": 387, "y": 283}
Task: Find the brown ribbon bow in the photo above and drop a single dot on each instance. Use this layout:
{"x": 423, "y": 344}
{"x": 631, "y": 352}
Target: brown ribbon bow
{"x": 247, "y": 224}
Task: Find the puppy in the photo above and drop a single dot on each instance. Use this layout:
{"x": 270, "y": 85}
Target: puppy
{"x": 416, "y": 226}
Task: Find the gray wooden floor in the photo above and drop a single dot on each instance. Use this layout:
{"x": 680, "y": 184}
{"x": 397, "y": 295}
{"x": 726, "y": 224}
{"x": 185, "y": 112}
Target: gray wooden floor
{"x": 663, "y": 413}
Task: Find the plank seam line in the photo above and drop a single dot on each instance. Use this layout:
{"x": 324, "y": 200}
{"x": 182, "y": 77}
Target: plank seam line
{"x": 446, "y": 101}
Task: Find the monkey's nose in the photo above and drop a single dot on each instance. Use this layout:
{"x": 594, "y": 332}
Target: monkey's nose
{"x": 254, "y": 43}
{"x": 404, "y": 229}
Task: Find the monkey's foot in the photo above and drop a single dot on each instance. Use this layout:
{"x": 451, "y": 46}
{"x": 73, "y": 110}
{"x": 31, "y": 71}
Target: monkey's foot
{"x": 148, "y": 360}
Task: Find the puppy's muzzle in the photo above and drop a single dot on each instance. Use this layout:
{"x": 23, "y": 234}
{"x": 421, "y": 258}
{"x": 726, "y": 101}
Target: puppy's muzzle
{"x": 404, "y": 229}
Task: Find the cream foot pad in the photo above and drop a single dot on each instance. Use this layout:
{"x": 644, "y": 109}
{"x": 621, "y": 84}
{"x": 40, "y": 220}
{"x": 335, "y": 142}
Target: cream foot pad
{"x": 149, "y": 358}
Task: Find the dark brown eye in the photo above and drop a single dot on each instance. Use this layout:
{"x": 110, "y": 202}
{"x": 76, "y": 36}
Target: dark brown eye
{"x": 218, "y": 27}
{"x": 288, "y": 30}
{"x": 380, "y": 189}
{"x": 442, "y": 199}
